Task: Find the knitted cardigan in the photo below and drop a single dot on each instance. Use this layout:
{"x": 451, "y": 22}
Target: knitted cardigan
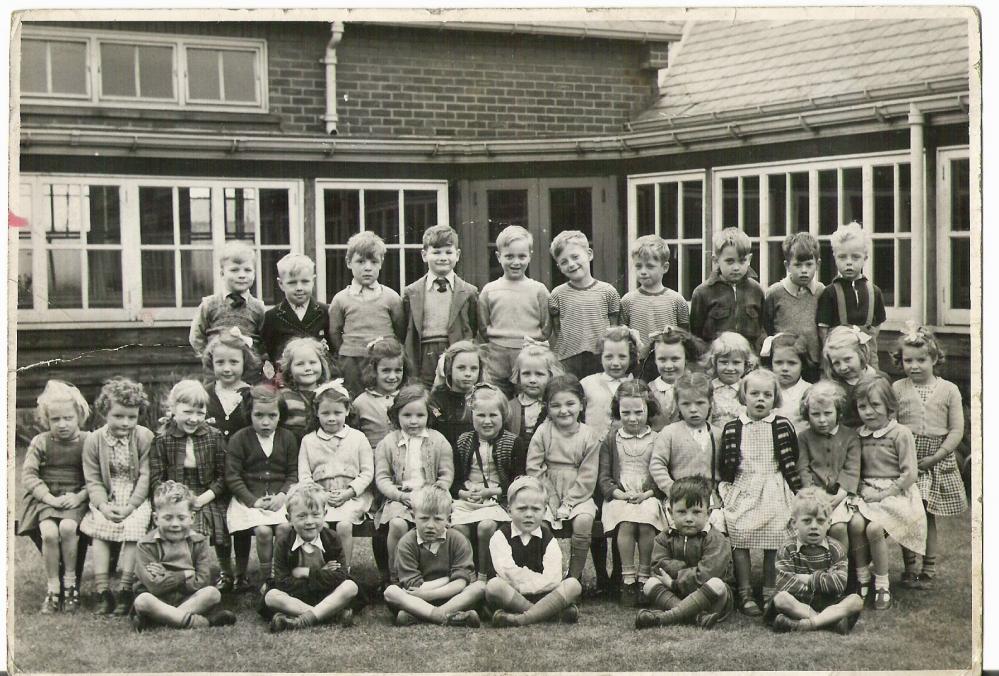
{"x": 506, "y": 448}
{"x": 785, "y": 450}
{"x": 609, "y": 475}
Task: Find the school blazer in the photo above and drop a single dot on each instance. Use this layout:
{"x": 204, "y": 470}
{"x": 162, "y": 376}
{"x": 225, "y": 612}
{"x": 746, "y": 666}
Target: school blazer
{"x": 390, "y": 463}
{"x": 319, "y": 580}
{"x": 281, "y": 325}
{"x": 463, "y": 319}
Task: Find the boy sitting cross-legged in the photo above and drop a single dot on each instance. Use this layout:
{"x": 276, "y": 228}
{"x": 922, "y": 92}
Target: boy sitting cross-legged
{"x": 172, "y": 564}
{"x": 435, "y": 568}
{"x": 811, "y": 573}
{"x": 691, "y": 564}
{"x": 310, "y": 585}
{"x": 528, "y": 586}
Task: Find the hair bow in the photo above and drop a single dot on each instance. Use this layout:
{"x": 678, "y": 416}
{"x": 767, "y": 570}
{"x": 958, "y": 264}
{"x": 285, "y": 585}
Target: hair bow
{"x": 236, "y": 333}
{"x": 666, "y": 331}
{"x": 913, "y": 332}
{"x": 768, "y": 344}
{"x": 862, "y": 337}
{"x": 528, "y": 341}
{"x": 480, "y": 386}
{"x": 374, "y": 342}
{"x": 335, "y": 385}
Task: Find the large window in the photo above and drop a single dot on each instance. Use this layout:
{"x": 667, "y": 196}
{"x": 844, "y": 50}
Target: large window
{"x": 671, "y": 206}
{"x": 770, "y": 202}
{"x": 398, "y": 212}
{"x": 955, "y": 264}
{"x": 124, "y": 248}
{"x": 148, "y": 70}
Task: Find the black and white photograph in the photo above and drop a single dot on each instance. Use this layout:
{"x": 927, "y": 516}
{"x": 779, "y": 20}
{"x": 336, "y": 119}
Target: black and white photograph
{"x": 494, "y": 340}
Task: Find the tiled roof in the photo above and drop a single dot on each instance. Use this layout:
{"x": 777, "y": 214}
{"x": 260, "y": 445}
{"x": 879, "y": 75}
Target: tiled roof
{"x": 723, "y": 66}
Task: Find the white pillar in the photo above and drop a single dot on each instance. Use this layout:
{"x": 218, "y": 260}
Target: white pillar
{"x": 918, "y": 223}
{"x": 330, "y": 117}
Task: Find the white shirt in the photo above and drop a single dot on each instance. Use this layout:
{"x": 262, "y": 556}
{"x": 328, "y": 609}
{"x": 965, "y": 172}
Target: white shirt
{"x": 266, "y": 444}
{"x": 229, "y": 399}
{"x": 189, "y": 461}
{"x": 525, "y": 580}
{"x": 413, "y": 477}
{"x": 432, "y": 545}
{"x": 432, "y": 279}
{"x": 300, "y": 310}
{"x": 814, "y": 287}
{"x": 357, "y": 289}
{"x": 299, "y": 542}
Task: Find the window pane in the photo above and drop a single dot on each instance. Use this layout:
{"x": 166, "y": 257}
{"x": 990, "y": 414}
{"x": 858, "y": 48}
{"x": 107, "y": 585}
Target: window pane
{"x": 194, "y": 206}
{"x": 414, "y": 265}
{"x": 158, "y": 280}
{"x": 960, "y": 195}
{"x": 25, "y": 279}
{"x": 645, "y": 209}
{"x": 337, "y": 272}
{"x": 692, "y": 264}
{"x": 105, "y": 215}
{"x": 672, "y": 277}
{"x": 827, "y": 264}
{"x": 571, "y": 209}
{"x": 960, "y": 273}
{"x": 65, "y": 289}
{"x": 828, "y": 201}
{"x": 69, "y": 67}
{"x": 904, "y": 273}
{"x": 203, "y": 74}
{"x": 275, "y": 224}
{"x": 669, "y": 210}
{"x": 341, "y": 215}
{"x": 757, "y": 261}
{"x": 270, "y": 292}
{"x": 196, "y": 276}
{"x": 381, "y": 214}
{"x": 390, "y": 270}
{"x": 853, "y": 196}
{"x": 503, "y": 208}
{"x": 751, "y": 205}
{"x": 730, "y": 202}
{"x": 776, "y": 262}
{"x": 777, "y": 189}
{"x": 240, "y": 214}
{"x": 693, "y": 210}
{"x": 156, "y": 216}
{"x": 799, "y": 202}
{"x": 104, "y": 283}
{"x": 33, "y": 67}
{"x": 904, "y": 198}
{"x": 237, "y": 71}
{"x": 61, "y": 218}
{"x": 884, "y": 269}
{"x": 117, "y": 69}
{"x": 420, "y": 213}
{"x": 156, "y": 72}
{"x": 884, "y": 199}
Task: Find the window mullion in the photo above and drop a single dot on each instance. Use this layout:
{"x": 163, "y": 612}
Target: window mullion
{"x": 178, "y": 277}
{"x": 221, "y": 78}
{"x": 813, "y": 200}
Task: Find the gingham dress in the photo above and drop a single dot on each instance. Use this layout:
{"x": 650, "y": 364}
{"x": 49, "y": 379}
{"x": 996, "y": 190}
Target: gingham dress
{"x": 725, "y": 404}
{"x": 941, "y": 485}
{"x": 758, "y": 503}
{"x": 133, "y": 527}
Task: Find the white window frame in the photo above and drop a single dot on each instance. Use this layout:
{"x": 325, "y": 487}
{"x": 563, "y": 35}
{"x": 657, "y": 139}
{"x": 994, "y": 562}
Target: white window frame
{"x": 676, "y": 244}
{"x": 181, "y": 99}
{"x": 946, "y": 314}
{"x": 322, "y": 247}
{"x": 866, "y": 162}
{"x": 49, "y": 96}
{"x": 133, "y": 311}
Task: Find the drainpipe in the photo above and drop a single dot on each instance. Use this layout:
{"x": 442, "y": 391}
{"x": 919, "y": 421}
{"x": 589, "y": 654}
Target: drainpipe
{"x": 917, "y": 121}
{"x": 329, "y": 60}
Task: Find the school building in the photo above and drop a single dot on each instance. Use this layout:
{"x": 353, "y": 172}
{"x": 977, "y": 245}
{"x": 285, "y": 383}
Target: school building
{"x": 145, "y": 145}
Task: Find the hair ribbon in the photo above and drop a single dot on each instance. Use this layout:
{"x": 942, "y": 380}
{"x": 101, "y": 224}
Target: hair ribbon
{"x": 236, "y": 333}
{"x": 913, "y": 332}
{"x": 374, "y": 342}
{"x": 335, "y": 385}
{"x": 862, "y": 337}
{"x": 768, "y": 344}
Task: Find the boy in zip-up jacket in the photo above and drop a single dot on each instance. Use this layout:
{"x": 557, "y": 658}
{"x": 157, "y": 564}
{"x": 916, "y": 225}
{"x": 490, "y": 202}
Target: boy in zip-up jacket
{"x": 691, "y": 564}
{"x": 729, "y": 299}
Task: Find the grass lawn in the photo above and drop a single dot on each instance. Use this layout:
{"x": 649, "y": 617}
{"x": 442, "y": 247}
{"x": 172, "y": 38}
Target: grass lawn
{"x": 924, "y": 630}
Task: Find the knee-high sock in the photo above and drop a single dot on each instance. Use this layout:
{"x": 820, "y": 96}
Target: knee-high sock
{"x": 579, "y": 545}
{"x": 662, "y": 598}
{"x": 699, "y": 601}
{"x": 545, "y": 609}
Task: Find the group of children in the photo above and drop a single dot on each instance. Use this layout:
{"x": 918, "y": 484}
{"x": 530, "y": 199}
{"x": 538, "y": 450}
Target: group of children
{"x": 472, "y": 427}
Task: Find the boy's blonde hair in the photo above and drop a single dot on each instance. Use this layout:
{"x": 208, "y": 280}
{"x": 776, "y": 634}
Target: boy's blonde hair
{"x": 731, "y": 237}
{"x": 850, "y": 233}
{"x": 846, "y": 337}
{"x": 367, "y": 245}
{"x": 172, "y": 492}
{"x": 525, "y": 483}
{"x": 295, "y": 262}
{"x": 511, "y": 234}
{"x": 824, "y": 392}
{"x": 810, "y": 500}
{"x": 432, "y": 499}
{"x": 762, "y": 374}
{"x": 60, "y": 392}
{"x": 567, "y": 238}
{"x": 730, "y": 342}
{"x": 307, "y": 493}
{"x": 190, "y": 392}
{"x": 238, "y": 251}
{"x": 650, "y": 246}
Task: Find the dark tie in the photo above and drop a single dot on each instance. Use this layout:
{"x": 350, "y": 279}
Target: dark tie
{"x": 237, "y": 299}
{"x": 441, "y": 283}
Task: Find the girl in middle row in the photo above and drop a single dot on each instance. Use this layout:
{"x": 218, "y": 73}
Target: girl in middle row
{"x": 305, "y": 366}
{"x": 618, "y": 349}
{"x": 462, "y": 370}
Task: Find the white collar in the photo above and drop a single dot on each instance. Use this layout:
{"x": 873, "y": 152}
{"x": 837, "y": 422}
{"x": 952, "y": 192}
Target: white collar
{"x": 877, "y": 434}
{"x": 833, "y": 432}
{"x": 245, "y": 294}
{"x": 420, "y": 540}
{"x": 640, "y": 435}
{"x": 514, "y": 531}
{"x": 356, "y": 289}
{"x": 717, "y": 384}
{"x": 432, "y": 278}
{"x": 607, "y": 379}
{"x": 526, "y": 401}
{"x": 746, "y": 420}
{"x": 661, "y": 385}
{"x": 326, "y": 436}
{"x": 315, "y": 543}
{"x": 375, "y": 393}
{"x": 795, "y": 290}
{"x": 405, "y": 438}
{"x": 799, "y": 544}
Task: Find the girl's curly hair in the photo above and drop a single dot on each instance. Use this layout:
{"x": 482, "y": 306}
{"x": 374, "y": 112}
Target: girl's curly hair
{"x": 123, "y": 391}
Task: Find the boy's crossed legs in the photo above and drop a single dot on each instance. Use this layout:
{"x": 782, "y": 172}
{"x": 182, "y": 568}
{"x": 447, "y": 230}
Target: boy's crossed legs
{"x": 294, "y": 613}
{"x": 790, "y": 614}
{"x": 705, "y": 606}
{"x": 451, "y": 612}
{"x": 516, "y": 610}
{"x": 194, "y": 612}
